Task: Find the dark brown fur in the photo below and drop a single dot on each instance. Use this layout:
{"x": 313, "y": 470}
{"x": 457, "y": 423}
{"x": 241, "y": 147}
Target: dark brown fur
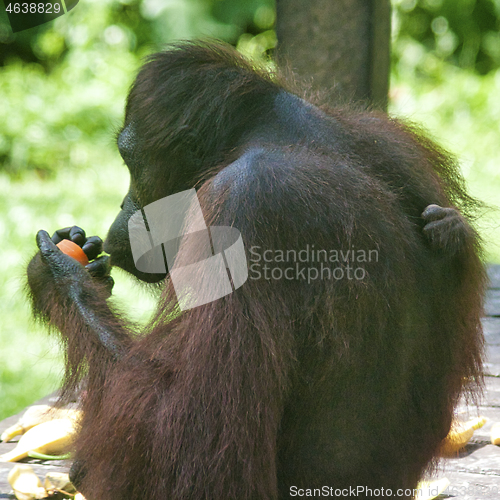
{"x": 328, "y": 383}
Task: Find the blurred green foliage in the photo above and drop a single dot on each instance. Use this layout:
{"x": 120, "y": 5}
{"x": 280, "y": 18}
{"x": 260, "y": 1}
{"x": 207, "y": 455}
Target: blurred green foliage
{"x": 63, "y": 84}
{"x": 462, "y": 32}
{"x": 454, "y": 93}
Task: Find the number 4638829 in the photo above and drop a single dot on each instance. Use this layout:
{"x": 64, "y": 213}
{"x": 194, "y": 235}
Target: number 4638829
{"x": 33, "y": 8}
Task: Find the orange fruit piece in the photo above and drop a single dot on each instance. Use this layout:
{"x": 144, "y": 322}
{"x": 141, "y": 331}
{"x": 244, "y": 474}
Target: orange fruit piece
{"x": 73, "y": 250}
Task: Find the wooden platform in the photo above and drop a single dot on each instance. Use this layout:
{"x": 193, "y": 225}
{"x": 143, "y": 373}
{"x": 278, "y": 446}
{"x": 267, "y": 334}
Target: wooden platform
{"x": 40, "y": 467}
{"x": 474, "y": 475}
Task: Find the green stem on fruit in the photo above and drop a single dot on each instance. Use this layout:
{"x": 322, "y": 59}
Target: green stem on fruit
{"x": 42, "y": 456}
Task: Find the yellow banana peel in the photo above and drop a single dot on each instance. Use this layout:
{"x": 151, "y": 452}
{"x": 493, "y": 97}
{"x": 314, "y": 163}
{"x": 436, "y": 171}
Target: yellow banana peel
{"x": 50, "y": 438}
{"x": 35, "y": 415}
{"x": 495, "y": 434}
{"x": 58, "y": 481}
{"x": 25, "y": 483}
{"x": 459, "y": 435}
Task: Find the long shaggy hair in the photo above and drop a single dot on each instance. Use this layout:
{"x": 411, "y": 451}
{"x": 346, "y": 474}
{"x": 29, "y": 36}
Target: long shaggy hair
{"x": 283, "y": 383}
